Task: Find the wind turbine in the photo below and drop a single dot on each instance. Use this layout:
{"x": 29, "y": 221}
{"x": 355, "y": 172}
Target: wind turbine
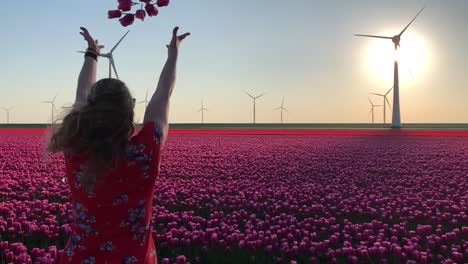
{"x": 254, "y": 99}
{"x": 146, "y": 100}
{"x": 111, "y": 58}
{"x": 202, "y": 109}
{"x": 281, "y": 108}
{"x": 8, "y": 113}
{"x": 372, "y": 109}
{"x": 396, "y": 121}
{"x": 385, "y": 101}
{"x": 52, "y": 107}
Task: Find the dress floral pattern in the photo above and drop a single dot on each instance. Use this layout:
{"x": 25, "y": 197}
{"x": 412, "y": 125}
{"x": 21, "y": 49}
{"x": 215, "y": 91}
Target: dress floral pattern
{"x": 112, "y": 220}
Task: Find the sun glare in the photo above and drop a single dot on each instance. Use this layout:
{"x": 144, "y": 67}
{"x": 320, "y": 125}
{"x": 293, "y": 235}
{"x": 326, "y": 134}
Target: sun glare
{"x": 412, "y": 57}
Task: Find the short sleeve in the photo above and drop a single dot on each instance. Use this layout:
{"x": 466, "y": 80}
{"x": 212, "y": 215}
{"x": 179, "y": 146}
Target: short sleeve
{"x": 146, "y": 145}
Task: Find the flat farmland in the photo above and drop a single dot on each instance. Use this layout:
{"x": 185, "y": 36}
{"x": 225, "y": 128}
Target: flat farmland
{"x": 247, "y": 197}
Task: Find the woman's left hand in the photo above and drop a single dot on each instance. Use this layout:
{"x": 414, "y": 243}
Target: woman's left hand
{"x": 92, "y": 44}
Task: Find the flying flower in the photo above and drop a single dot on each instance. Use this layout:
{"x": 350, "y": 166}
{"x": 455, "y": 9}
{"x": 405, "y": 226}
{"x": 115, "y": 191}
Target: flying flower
{"x": 151, "y": 10}
{"x": 127, "y": 20}
{"x": 140, "y": 14}
{"x": 114, "y": 14}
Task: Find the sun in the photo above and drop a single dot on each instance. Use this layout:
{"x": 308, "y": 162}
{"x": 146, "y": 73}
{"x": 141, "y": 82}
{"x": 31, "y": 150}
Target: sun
{"x": 412, "y": 57}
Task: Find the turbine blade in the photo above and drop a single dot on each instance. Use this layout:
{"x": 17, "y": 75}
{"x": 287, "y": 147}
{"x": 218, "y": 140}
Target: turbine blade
{"x": 411, "y": 21}
{"x": 372, "y": 36}
{"x": 119, "y": 42}
{"x": 388, "y": 102}
{"x": 389, "y": 91}
{"x": 261, "y": 95}
{"x": 115, "y": 70}
{"x": 282, "y": 102}
{"x": 285, "y": 110}
{"x": 377, "y": 94}
{"x": 248, "y": 94}
{"x": 277, "y": 109}
{"x": 370, "y": 102}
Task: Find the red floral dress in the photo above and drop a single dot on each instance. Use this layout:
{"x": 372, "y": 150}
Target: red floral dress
{"x": 112, "y": 220}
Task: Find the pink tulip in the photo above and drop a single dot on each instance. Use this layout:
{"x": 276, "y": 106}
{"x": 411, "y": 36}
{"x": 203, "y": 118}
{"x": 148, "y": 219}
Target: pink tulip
{"x": 9, "y": 256}
{"x": 181, "y": 259}
{"x": 125, "y": 5}
{"x": 161, "y": 3}
{"x": 151, "y": 10}
{"x": 114, "y": 14}
{"x": 127, "y": 20}
{"x": 140, "y": 14}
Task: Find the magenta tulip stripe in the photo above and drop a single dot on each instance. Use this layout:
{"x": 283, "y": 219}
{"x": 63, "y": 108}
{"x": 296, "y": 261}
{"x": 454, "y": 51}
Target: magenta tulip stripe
{"x": 265, "y": 199}
{"x": 127, "y": 19}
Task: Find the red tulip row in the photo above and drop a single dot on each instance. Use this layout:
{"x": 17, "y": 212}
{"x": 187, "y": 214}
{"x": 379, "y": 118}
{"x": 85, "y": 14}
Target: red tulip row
{"x": 129, "y": 18}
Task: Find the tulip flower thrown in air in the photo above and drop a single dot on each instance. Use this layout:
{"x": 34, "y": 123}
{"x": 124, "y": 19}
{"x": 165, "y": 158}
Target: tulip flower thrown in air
{"x": 127, "y": 20}
{"x": 125, "y": 6}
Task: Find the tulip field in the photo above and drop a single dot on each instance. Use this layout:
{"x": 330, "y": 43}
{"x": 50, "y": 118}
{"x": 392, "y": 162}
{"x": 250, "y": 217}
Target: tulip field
{"x": 227, "y": 198}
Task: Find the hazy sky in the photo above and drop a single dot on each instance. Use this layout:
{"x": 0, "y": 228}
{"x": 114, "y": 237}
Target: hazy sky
{"x": 303, "y": 50}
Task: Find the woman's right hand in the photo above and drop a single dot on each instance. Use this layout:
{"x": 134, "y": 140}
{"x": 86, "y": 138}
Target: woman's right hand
{"x": 173, "y": 47}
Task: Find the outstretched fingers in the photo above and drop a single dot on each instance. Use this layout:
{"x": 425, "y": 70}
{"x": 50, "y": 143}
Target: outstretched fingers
{"x": 85, "y": 34}
{"x": 183, "y": 36}
{"x": 174, "y": 33}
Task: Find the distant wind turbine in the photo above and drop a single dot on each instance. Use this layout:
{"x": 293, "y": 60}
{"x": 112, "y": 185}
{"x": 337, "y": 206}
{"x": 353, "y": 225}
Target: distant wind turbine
{"x": 396, "y": 120}
{"x": 254, "y": 99}
{"x": 7, "y": 110}
{"x": 146, "y": 100}
{"x": 202, "y": 109}
{"x": 52, "y": 107}
{"x": 384, "y": 105}
{"x": 372, "y": 109}
{"x": 281, "y": 108}
{"x": 111, "y": 58}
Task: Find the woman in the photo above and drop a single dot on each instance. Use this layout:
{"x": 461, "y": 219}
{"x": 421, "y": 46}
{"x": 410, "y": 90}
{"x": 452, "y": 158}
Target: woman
{"x": 111, "y": 174}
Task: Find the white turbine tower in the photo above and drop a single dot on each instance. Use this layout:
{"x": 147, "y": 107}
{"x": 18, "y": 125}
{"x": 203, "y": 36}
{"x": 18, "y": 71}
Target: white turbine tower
{"x": 281, "y": 108}
{"x": 254, "y": 99}
{"x": 111, "y": 58}
{"x": 7, "y": 110}
{"x": 396, "y": 120}
{"x": 384, "y": 103}
{"x": 202, "y": 109}
{"x": 146, "y": 100}
{"x": 372, "y": 109}
{"x": 52, "y": 107}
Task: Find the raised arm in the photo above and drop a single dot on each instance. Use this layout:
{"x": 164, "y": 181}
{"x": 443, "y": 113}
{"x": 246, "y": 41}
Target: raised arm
{"x": 158, "y": 108}
{"x": 88, "y": 71}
